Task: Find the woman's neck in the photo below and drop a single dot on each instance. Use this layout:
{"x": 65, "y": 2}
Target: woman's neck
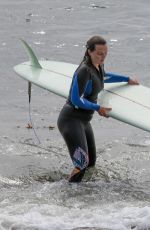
{"x": 96, "y": 66}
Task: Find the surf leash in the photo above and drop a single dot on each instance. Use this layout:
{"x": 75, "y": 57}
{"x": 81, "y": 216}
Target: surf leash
{"x": 31, "y": 125}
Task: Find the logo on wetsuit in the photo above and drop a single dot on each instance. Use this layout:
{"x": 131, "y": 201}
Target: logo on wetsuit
{"x": 80, "y": 158}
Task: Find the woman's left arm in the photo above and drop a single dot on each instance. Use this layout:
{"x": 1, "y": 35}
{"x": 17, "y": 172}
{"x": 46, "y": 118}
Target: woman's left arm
{"x": 112, "y": 78}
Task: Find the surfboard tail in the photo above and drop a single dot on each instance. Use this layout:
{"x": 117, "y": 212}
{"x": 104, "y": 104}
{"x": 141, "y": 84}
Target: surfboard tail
{"x": 33, "y": 59}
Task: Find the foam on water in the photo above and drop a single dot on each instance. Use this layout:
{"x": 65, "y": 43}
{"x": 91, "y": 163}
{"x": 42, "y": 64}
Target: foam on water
{"x": 40, "y": 32}
{"x": 8, "y": 181}
{"x": 56, "y": 217}
{"x": 38, "y": 43}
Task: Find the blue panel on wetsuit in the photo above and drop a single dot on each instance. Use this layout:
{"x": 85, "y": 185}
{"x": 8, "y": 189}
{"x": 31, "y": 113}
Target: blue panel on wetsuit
{"x": 112, "y": 78}
{"x": 81, "y": 102}
{"x": 80, "y": 158}
{"x": 88, "y": 89}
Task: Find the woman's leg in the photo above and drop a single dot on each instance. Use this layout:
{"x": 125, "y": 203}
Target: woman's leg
{"x": 73, "y": 132}
{"x": 91, "y": 144}
{"x": 91, "y": 151}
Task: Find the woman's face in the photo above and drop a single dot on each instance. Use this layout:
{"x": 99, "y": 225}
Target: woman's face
{"x": 99, "y": 54}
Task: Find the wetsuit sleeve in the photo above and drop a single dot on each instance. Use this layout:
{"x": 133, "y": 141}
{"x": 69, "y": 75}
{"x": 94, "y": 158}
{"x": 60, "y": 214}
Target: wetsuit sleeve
{"x": 112, "y": 78}
{"x": 80, "y": 81}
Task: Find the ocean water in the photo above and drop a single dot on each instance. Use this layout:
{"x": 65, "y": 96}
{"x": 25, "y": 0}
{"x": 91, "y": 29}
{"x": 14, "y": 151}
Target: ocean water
{"x": 34, "y": 192}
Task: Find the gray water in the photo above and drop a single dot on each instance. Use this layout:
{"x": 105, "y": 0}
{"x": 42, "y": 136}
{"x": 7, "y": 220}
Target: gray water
{"x": 34, "y": 192}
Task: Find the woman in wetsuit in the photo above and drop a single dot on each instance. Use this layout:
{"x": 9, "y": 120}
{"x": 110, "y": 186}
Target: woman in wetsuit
{"x": 74, "y": 119}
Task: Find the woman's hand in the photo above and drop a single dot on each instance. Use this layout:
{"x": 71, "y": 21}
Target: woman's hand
{"x": 104, "y": 111}
{"x": 133, "y": 82}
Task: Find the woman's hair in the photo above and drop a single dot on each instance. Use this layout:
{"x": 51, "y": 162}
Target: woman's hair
{"x": 90, "y": 45}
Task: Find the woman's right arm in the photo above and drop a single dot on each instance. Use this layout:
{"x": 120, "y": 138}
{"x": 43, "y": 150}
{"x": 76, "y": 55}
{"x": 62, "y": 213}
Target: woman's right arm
{"x": 80, "y": 80}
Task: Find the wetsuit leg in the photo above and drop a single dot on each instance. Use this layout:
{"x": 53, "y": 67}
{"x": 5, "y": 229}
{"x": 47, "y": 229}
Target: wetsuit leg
{"x": 73, "y": 132}
{"x": 91, "y": 145}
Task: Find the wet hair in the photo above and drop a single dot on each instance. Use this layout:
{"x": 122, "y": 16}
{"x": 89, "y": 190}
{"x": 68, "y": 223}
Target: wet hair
{"x": 90, "y": 45}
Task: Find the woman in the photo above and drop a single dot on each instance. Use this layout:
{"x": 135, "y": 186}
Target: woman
{"x": 74, "y": 119}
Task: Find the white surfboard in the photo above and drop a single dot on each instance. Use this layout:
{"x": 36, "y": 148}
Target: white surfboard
{"x": 130, "y": 104}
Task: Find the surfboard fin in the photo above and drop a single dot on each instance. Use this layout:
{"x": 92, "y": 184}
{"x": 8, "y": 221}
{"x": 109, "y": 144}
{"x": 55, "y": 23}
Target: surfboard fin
{"x": 33, "y": 59}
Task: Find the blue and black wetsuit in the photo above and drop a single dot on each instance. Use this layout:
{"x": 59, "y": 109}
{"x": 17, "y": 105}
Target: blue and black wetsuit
{"x": 74, "y": 119}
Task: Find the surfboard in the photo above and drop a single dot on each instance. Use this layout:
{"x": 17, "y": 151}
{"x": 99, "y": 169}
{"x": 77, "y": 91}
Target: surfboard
{"x": 129, "y": 103}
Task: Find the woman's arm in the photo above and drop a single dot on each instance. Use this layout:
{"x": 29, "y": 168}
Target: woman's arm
{"x": 80, "y": 80}
{"x": 112, "y": 78}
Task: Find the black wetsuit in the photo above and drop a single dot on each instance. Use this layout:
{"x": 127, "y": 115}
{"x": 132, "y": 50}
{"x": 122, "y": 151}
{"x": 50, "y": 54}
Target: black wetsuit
{"x": 74, "y": 119}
